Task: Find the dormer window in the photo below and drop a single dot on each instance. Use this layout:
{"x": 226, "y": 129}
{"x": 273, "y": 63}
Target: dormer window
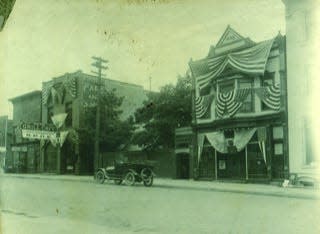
{"x": 226, "y": 86}
{"x": 247, "y": 104}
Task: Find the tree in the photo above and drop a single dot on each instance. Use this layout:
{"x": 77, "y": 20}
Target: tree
{"x": 113, "y": 132}
{"x": 162, "y": 113}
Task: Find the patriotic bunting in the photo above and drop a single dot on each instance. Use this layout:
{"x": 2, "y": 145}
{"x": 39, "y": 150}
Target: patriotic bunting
{"x": 203, "y": 105}
{"x": 270, "y": 96}
{"x": 45, "y": 94}
{"x": 251, "y": 61}
{"x": 70, "y": 84}
{"x": 229, "y": 103}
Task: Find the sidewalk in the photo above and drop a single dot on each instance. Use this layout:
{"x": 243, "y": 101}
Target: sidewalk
{"x": 214, "y": 186}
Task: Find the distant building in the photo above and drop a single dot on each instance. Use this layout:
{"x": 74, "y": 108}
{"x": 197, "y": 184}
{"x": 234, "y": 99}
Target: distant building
{"x": 6, "y": 136}
{"x": 303, "y": 36}
{"x": 25, "y": 152}
{"x": 239, "y": 110}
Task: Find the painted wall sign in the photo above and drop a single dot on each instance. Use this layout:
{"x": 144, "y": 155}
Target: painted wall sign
{"x": 37, "y": 134}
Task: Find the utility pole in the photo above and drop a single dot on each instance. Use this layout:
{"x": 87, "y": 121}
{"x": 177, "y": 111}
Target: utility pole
{"x": 150, "y": 78}
{"x": 98, "y": 63}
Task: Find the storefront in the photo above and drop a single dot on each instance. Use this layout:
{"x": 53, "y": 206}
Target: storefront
{"x": 239, "y": 110}
{"x": 251, "y": 154}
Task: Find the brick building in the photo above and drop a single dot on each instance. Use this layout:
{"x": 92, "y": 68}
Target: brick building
{"x": 6, "y": 136}
{"x": 71, "y": 93}
{"x": 239, "y": 110}
{"x": 25, "y": 152}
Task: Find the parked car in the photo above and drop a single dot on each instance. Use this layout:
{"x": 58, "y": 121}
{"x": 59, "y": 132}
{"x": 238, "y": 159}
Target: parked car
{"x": 129, "y": 173}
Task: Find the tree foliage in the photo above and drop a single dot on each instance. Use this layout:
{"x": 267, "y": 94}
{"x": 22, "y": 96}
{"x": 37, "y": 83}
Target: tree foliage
{"x": 113, "y": 132}
{"x": 162, "y": 113}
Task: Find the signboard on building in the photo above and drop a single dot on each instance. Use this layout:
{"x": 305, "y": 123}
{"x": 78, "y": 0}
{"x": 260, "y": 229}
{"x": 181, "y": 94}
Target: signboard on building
{"x": 37, "y": 134}
{"x": 19, "y": 149}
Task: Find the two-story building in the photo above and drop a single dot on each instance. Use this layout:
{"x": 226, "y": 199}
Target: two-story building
{"x": 239, "y": 110}
{"x": 6, "y": 137}
{"x": 71, "y": 93}
{"x": 25, "y": 152}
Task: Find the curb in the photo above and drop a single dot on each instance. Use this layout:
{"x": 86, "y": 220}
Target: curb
{"x": 286, "y": 193}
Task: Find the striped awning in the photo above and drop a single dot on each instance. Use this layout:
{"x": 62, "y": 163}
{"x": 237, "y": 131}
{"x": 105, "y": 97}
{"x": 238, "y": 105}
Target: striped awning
{"x": 250, "y": 61}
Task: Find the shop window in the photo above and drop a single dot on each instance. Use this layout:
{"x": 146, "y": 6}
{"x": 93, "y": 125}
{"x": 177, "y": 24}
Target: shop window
{"x": 277, "y": 132}
{"x": 247, "y": 105}
{"x": 278, "y": 149}
{"x": 68, "y": 122}
{"x": 267, "y": 80}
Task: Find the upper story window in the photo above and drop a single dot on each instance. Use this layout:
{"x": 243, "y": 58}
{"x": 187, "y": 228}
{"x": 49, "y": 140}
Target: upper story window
{"x": 50, "y": 114}
{"x": 68, "y": 121}
{"x": 226, "y": 86}
{"x": 247, "y": 105}
{"x": 267, "y": 80}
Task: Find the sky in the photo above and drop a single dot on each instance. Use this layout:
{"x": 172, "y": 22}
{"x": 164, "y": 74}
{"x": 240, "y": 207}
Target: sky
{"x": 140, "y": 39}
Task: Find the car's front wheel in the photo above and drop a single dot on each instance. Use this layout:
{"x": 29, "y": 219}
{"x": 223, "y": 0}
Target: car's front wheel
{"x": 129, "y": 178}
{"x": 100, "y": 177}
{"x": 148, "y": 182}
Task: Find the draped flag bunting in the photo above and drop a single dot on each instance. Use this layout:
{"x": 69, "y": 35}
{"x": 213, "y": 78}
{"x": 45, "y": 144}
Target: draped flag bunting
{"x": 201, "y": 138}
{"x": 230, "y": 102}
{"x": 242, "y": 137}
{"x": 70, "y": 84}
{"x": 45, "y": 94}
{"x": 270, "y": 96}
{"x": 202, "y": 105}
{"x": 218, "y": 141}
{"x": 262, "y": 137}
{"x": 251, "y": 61}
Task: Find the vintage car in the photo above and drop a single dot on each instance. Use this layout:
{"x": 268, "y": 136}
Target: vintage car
{"x": 129, "y": 173}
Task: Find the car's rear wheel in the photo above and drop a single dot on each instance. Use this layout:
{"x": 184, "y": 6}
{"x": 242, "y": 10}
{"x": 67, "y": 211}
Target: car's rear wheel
{"x": 148, "y": 182}
{"x": 100, "y": 177}
{"x": 118, "y": 182}
{"x": 129, "y": 178}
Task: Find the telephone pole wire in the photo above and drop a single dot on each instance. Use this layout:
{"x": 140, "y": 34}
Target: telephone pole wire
{"x": 98, "y": 63}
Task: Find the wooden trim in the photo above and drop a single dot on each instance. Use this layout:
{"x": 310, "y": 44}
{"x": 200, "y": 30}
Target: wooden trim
{"x": 246, "y": 157}
{"x": 254, "y": 121}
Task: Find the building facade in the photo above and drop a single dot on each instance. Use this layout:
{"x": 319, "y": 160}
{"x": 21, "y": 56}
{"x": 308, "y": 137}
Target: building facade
{"x": 25, "y": 152}
{"x": 239, "y": 110}
{"x": 71, "y": 94}
{"x": 6, "y": 136}
{"x": 302, "y": 36}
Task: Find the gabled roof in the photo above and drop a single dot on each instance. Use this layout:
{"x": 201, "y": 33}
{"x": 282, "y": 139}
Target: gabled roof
{"x": 229, "y": 36}
{"x": 230, "y": 41}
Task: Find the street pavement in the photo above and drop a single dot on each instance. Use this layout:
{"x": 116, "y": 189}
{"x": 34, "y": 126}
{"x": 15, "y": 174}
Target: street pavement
{"x": 217, "y": 186}
{"x": 76, "y": 204}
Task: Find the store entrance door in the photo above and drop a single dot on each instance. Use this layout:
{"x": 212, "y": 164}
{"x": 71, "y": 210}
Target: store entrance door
{"x": 182, "y": 166}
{"x": 231, "y": 165}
